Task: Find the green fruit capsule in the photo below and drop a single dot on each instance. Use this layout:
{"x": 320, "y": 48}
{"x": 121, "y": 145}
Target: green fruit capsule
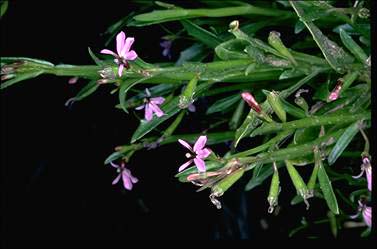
{"x": 275, "y": 41}
{"x": 298, "y": 182}
{"x": 219, "y": 188}
{"x": 274, "y": 100}
{"x": 186, "y": 98}
{"x": 274, "y": 189}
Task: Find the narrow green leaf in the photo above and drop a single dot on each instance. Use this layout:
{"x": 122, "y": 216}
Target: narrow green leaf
{"x": 206, "y": 37}
{"x": 327, "y": 190}
{"x": 95, "y": 58}
{"x": 125, "y": 86}
{"x": 343, "y": 142}
{"x": 353, "y": 47}
{"x": 197, "y": 50}
{"x": 87, "y": 90}
{"x": 232, "y": 49}
{"x": 223, "y": 104}
{"x": 338, "y": 59}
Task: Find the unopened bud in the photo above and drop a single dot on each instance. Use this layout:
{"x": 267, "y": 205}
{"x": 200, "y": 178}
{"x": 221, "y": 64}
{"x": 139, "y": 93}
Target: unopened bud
{"x": 250, "y": 100}
{"x": 334, "y": 95}
{"x": 234, "y": 25}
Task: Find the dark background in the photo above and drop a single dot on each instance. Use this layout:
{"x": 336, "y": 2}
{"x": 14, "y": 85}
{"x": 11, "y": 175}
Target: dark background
{"x": 56, "y": 192}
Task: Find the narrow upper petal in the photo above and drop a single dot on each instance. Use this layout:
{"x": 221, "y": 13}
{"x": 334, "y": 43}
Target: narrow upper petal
{"x": 148, "y": 113}
{"x": 120, "y": 42}
{"x": 106, "y": 51}
{"x": 130, "y": 56}
{"x": 191, "y": 108}
{"x": 200, "y": 164}
{"x": 184, "y": 143}
{"x": 127, "y": 46}
{"x": 116, "y": 180}
{"x": 126, "y": 181}
{"x": 367, "y": 215}
{"x": 133, "y": 179}
{"x": 157, "y": 100}
{"x": 120, "y": 70}
{"x": 140, "y": 107}
{"x": 114, "y": 165}
{"x": 368, "y": 172}
{"x": 185, "y": 165}
{"x": 200, "y": 143}
{"x": 204, "y": 153}
{"x": 156, "y": 110}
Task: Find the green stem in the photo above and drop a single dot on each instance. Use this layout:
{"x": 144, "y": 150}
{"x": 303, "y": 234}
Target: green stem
{"x": 310, "y": 122}
{"x": 291, "y": 152}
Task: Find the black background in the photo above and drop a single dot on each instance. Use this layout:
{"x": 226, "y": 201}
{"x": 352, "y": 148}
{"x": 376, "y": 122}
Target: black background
{"x": 56, "y": 190}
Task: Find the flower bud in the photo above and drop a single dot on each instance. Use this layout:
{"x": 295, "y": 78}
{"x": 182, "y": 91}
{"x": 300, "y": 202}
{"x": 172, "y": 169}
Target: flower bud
{"x": 250, "y": 100}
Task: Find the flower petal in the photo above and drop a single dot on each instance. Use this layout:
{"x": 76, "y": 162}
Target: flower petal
{"x": 130, "y": 56}
{"x": 204, "y": 153}
{"x": 156, "y": 110}
{"x": 126, "y": 181}
{"x": 184, "y": 143}
{"x": 368, "y": 172}
{"x": 185, "y": 165}
{"x": 367, "y": 215}
{"x": 127, "y": 45}
{"x": 140, "y": 107}
{"x": 200, "y": 164}
{"x": 148, "y": 113}
{"x": 120, "y": 42}
{"x": 116, "y": 180}
{"x": 120, "y": 70}
{"x": 106, "y": 51}
{"x": 191, "y": 108}
{"x": 157, "y": 100}
{"x": 200, "y": 143}
{"x": 114, "y": 165}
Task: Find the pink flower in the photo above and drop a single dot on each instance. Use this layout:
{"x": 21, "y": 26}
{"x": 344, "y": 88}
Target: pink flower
{"x": 127, "y": 177}
{"x": 197, "y": 154}
{"x": 250, "y": 100}
{"x": 151, "y": 106}
{"x": 367, "y": 168}
{"x": 123, "y": 52}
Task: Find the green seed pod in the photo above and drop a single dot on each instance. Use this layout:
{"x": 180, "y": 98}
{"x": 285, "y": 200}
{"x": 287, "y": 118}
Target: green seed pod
{"x": 274, "y": 189}
{"x": 275, "y": 41}
{"x": 313, "y": 177}
{"x": 219, "y": 188}
{"x": 274, "y": 100}
{"x": 301, "y": 102}
{"x": 186, "y": 98}
{"x": 298, "y": 182}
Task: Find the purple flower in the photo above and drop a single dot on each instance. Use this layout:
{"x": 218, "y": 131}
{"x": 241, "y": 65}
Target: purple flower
{"x": 127, "y": 177}
{"x": 367, "y": 168}
{"x": 365, "y": 211}
{"x": 151, "y": 106}
{"x": 197, "y": 154}
{"x": 123, "y": 52}
{"x": 166, "y": 45}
